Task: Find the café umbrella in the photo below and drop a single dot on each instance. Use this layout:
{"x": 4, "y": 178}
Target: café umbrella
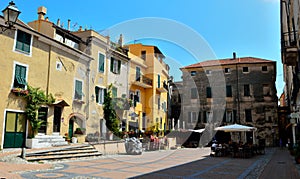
{"x": 236, "y": 128}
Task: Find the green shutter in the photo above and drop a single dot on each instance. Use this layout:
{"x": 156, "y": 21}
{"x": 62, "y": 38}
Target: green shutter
{"x": 112, "y": 64}
{"x": 158, "y": 81}
{"x": 20, "y": 76}
{"x": 138, "y": 74}
{"x": 208, "y": 92}
{"x": 119, "y": 67}
{"x": 114, "y": 92}
{"x": 23, "y": 41}
{"x": 23, "y": 75}
{"x": 101, "y": 63}
{"x": 97, "y": 93}
{"x": 78, "y": 89}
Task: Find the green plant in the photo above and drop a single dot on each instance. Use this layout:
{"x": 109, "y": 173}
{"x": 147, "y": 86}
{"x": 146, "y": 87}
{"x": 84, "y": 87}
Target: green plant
{"x": 79, "y": 130}
{"x": 35, "y": 98}
{"x": 112, "y": 122}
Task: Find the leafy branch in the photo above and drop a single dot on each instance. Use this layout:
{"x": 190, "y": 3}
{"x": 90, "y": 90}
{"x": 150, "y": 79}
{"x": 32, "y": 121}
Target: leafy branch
{"x": 35, "y": 98}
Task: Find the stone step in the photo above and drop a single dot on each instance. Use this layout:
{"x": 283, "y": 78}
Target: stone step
{"x": 64, "y": 153}
{"x": 69, "y": 152}
{"x": 61, "y": 157}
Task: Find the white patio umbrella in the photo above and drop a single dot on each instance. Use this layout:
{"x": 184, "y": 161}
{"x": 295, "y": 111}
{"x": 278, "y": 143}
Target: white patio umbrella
{"x": 197, "y": 130}
{"x": 237, "y": 128}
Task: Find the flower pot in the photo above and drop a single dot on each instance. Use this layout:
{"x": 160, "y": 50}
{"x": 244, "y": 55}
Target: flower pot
{"x": 74, "y": 140}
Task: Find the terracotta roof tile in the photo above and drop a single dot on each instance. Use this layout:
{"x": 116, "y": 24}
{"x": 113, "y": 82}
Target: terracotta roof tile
{"x": 228, "y": 61}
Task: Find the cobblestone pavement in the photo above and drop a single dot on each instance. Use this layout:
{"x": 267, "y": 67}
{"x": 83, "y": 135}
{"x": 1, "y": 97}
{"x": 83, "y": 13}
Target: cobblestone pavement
{"x": 180, "y": 163}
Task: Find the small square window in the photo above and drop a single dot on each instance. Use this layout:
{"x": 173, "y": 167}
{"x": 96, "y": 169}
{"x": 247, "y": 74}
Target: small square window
{"x": 193, "y": 73}
{"x": 245, "y": 69}
{"x": 208, "y": 72}
{"x": 227, "y": 70}
{"x": 264, "y": 68}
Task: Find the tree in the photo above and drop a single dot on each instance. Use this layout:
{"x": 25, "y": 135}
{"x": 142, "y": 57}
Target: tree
{"x": 35, "y": 98}
{"x": 112, "y": 122}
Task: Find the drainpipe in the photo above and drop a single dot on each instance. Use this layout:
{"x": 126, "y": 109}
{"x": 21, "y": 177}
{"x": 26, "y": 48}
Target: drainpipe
{"x": 49, "y": 67}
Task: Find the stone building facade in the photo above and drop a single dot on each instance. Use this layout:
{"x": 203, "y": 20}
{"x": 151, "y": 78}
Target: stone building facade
{"x": 228, "y": 91}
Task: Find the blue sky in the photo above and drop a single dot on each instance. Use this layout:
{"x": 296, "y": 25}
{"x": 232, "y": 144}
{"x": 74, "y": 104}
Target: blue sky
{"x": 248, "y": 27}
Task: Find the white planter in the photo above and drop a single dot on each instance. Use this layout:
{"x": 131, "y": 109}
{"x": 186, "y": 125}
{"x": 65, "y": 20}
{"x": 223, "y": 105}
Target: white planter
{"x": 74, "y": 140}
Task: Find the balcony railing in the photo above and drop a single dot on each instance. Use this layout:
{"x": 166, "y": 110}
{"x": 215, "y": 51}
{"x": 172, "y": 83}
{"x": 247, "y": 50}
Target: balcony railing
{"x": 143, "y": 81}
{"x": 164, "y": 88}
{"x": 289, "y": 48}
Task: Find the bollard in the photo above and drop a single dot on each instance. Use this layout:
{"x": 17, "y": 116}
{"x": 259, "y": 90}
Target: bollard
{"x": 23, "y": 154}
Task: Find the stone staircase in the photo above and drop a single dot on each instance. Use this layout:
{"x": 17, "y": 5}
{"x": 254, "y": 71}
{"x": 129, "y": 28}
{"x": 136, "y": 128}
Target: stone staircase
{"x": 70, "y": 152}
{"x": 44, "y": 141}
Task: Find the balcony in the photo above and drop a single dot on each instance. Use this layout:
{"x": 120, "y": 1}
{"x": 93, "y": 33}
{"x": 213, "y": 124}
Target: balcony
{"x": 164, "y": 88}
{"x": 143, "y": 82}
{"x": 289, "y": 49}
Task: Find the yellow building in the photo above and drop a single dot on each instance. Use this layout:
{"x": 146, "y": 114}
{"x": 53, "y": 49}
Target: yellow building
{"x": 148, "y": 87}
{"x": 110, "y": 67}
{"x": 38, "y": 60}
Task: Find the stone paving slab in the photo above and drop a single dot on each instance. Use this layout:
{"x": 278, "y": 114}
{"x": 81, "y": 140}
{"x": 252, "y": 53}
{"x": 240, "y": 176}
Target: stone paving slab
{"x": 180, "y": 163}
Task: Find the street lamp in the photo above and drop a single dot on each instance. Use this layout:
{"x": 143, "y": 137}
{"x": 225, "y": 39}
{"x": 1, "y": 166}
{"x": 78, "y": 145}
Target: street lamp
{"x": 10, "y": 14}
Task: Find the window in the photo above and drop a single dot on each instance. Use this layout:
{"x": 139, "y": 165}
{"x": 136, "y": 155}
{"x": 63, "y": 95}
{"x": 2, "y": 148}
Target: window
{"x": 194, "y": 93}
{"x": 246, "y": 90}
{"x": 114, "y": 92}
{"x": 228, "y": 91}
{"x": 208, "y": 92}
{"x": 115, "y": 65}
{"x": 100, "y": 94}
{"x": 101, "y": 63}
{"x": 137, "y": 74}
{"x": 192, "y": 118}
{"x": 20, "y": 77}
{"x": 158, "y": 102}
{"x": 204, "y": 117}
{"x": 208, "y": 72}
{"x": 248, "y": 115}
{"x": 245, "y": 69}
{"x": 227, "y": 70}
{"x": 193, "y": 73}
{"x": 266, "y": 90}
{"x": 158, "y": 81}
{"x": 229, "y": 116}
{"x": 164, "y": 106}
{"x": 264, "y": 68}
{"x": 208, "y": 116}
{"x": 143, "y": 55}
{"x": 78, "y": 90}
{"x": 23, "y": 42}
{"x": 161, "y": 122}
{"x": 137, "y": 96}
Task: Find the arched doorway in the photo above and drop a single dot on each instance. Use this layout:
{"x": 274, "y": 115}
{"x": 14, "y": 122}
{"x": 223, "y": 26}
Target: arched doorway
{"x": 71, "y": 127}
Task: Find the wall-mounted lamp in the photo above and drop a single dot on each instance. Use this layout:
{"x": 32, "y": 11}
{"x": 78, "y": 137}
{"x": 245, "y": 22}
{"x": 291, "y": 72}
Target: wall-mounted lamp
{"x": 10, "y": 14}
{"x": 93, "y": 97}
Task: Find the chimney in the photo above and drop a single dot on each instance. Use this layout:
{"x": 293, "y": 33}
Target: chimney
{"x": 80, "y": 29}
{"x": 69, "y": 24}
{"x": 58, "y": 22}
{"x": 42, "y": 12}
{"x": 47, "y": 19}
{"x": 120, "y": 42}
{"x": 234, "y": 55}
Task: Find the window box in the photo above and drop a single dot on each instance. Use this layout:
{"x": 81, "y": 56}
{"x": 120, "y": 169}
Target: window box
{"x": 19, "y": 91}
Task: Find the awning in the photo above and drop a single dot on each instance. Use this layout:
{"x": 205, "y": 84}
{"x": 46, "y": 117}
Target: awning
{"x": 61, "y": 103}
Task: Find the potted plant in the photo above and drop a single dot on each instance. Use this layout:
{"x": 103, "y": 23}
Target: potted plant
{"x": 80, "y": 134}
{"x": 79, "y": 131}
